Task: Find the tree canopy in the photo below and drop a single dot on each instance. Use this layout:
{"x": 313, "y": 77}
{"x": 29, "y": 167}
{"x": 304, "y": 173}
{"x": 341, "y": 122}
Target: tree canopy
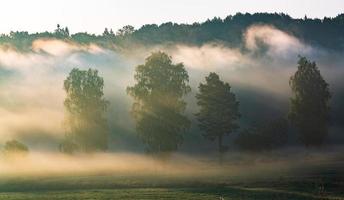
{"x": 158, "y": 107}
{"x": 86, "y": 124}
{"x": 309, "y": 105}
{"x": 326, "y": 32}
{"x": 219, "y": 109}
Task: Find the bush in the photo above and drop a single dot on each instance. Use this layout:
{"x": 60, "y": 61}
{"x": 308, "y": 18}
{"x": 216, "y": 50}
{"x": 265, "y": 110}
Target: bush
{"x": 15, "y": 147}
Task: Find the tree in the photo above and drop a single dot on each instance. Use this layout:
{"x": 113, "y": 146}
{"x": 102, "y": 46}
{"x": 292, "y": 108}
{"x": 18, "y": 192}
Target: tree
{"x": 106, "y": 32}
{"x": 219, "y": 109}
{"x": 126, "y": 30}
{"x": 264, "y": 136}
{"x": 85, "y": 106}
{"x": 61, "y": 32}
{"x": 309, "y": 105}
{"x": 66, "y": 31}
{"x": 158, "y": 107}
{"x": 15, "y": 147}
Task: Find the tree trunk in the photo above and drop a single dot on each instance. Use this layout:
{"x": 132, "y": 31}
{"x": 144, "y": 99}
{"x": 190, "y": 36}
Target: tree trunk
{"x": 220, "y": 143}
{"x": 220, "y": 149}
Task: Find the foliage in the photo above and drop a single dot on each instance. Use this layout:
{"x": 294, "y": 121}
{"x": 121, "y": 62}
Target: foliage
{"x": 61, "y": 33}
{"x": 268, "y": 136}
{"x": 15, "y": 147}
{"x": 84, "y": 38}
{"x": 85, "y": 106}
{"x": 108, "y": 33}
{"x": 326, "y": 32}
{"x": 158, "y": 107}
{"x": 125, "y": 31}
{"x": 309, "y": 106}
{"x": 219, "y": 109}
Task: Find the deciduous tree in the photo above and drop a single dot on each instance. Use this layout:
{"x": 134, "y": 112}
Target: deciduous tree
{"x": 309, "y": 105}
{"x": 86, "y": 124}
{"x": 158, "y": 107}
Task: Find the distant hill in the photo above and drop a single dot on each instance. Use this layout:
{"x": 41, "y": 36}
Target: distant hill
{"x": 326, "y": 33}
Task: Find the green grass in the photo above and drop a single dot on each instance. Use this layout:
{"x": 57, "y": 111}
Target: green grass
{"x": 135, "y": 187}
{"x": 164, "y": 193}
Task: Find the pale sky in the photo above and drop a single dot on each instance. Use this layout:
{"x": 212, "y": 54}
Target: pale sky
{"x": 94, "y": 15}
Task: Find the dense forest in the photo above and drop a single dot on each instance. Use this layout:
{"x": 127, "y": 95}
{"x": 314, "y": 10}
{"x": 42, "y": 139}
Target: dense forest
{"x": 326, "y": 32}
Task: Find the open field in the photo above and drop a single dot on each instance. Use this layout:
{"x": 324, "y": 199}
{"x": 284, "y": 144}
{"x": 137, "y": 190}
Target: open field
{"x": 316, "y": 176}
{"x": 93, "y": 190}
{"x": 167, "y": 193}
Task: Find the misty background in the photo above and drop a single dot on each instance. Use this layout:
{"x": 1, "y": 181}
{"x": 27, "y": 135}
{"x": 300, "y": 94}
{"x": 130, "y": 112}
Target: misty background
{"x": 258, "y": 67}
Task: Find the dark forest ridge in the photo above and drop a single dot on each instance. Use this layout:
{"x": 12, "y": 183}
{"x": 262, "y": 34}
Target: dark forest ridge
{"x": 326, "y": 33}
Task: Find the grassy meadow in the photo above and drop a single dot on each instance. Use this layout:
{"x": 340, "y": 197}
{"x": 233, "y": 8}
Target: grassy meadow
{"x": 315, "y": 176}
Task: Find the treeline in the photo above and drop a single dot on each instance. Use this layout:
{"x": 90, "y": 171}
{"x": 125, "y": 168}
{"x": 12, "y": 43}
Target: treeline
{"x": 326, "y": 32}
{"x": 158, "y": 109}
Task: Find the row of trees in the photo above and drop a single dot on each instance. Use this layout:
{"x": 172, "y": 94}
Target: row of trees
{"x": 158, "y": 109}
{"x": 326, "y": 32}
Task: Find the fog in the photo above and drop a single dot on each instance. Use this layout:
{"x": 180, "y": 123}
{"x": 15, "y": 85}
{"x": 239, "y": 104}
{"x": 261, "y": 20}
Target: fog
{"x": 58, "y": 171}
{"x": 31, "y": 89}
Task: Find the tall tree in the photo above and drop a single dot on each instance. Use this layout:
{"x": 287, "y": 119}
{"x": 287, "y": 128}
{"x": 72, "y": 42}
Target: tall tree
{"x": 219, "y": 109}
{"x": 309, "y": 105}
{"x": 86, "y": 124}
{"x": 158, "y": 107}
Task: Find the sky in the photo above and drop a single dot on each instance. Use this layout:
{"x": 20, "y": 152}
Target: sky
{"x": 94, "y": 15}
